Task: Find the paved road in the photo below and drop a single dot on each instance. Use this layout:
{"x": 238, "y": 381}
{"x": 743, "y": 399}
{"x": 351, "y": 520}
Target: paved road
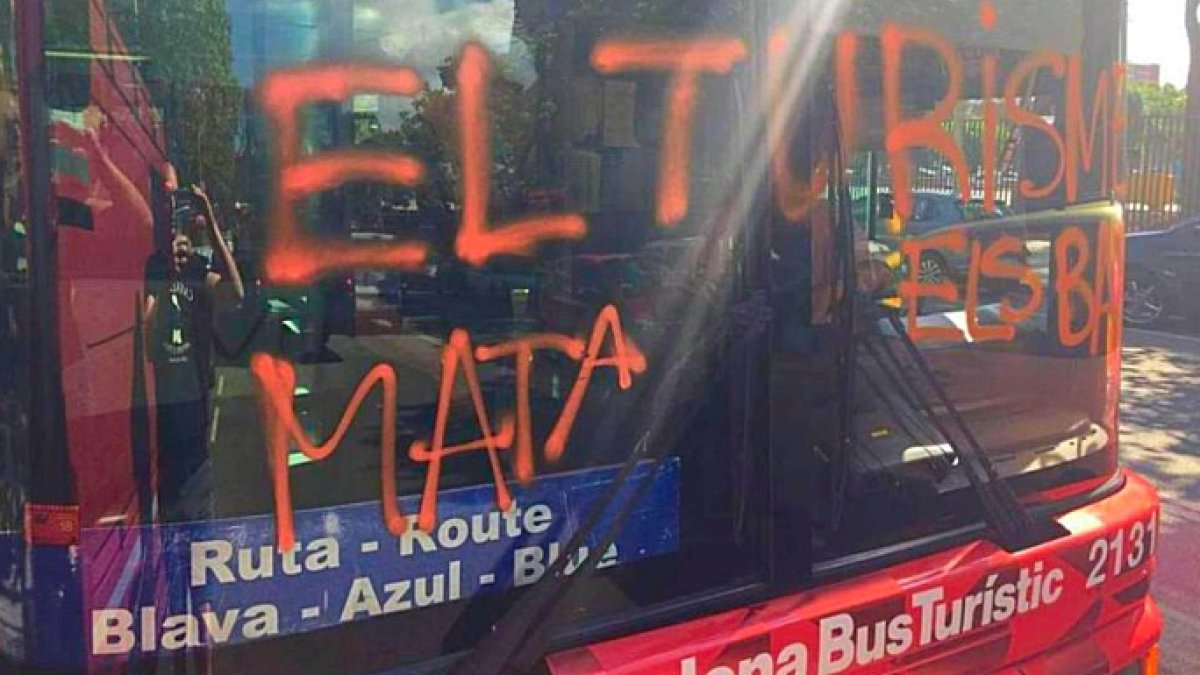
{"x": 1160, "y": 438}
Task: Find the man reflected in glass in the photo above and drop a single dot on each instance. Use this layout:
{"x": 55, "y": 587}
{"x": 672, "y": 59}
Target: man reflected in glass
{"x": 185, "y": 291}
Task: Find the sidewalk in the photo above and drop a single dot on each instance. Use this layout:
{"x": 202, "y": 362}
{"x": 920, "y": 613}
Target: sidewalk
{"x": 1160, "y": 438}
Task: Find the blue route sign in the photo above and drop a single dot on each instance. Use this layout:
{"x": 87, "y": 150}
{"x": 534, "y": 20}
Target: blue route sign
{"x": 224, "y": 582}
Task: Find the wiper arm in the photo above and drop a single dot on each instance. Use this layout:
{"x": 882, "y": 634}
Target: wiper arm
{"x": 518, "y": 641}
{"x": 1013, "y": 524}
{"x": 913, "y": 415}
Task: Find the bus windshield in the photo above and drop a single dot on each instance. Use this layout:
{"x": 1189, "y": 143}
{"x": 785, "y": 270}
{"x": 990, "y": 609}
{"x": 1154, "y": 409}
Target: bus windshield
{"x": 380, "y": 318}
{"x": 991, "y": 255}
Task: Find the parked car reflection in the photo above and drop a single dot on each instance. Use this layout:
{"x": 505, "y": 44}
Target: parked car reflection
{"x": 1162, "y": 274}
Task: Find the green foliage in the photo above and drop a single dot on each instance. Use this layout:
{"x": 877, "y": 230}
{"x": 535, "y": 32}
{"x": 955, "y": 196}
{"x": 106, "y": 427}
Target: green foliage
{"x": 191, "y": 63}
{"x": 1159, "y": 100}
{"x": 430, "y": 132}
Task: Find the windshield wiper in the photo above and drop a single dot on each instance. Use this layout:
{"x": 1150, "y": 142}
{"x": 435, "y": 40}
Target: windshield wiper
{"x": 518, "y": 641}
{"x": 1014, "y": 526}
{"x": 911, "y": 419}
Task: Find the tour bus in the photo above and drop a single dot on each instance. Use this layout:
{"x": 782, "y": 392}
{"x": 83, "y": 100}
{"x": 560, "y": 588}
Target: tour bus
{"x": 719, "y": 421}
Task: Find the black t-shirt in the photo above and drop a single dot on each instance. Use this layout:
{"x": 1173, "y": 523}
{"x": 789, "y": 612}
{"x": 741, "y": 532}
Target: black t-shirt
{"x": 182, "y": 332}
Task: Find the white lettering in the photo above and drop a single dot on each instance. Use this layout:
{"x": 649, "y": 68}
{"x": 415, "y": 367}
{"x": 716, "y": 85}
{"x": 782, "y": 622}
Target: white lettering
{"x": 870, "y": 643}
{"x": 261, "y": 621}
{"x": 324, "y": 554}
{"x": 900, "y": 635}
{"x": 289, "y": 563}
{"x": 1006, "y": 602}
{"x": 843, "y": 644}
{"x": 760, "y": 664}
{"x": 836, "y": 640}
{"x": 573, "y": 561}
{"x": 455, "y": 574}
{"x": 149, "y": 629}
{"x": 949, "y": 620}
{"x": 538, "y": 519}
{"x": 527, "y": 565}
{"x": 970, "y": 604}
{"x": 512, "y": 524}
{"x": 217, "y": 629}
{"x": 211, "y": 561}
{"x": 397, "y": 597}
{"x": 793, "y": 660}
{"x": 111, "y": 632}
{"x": 453, "y": 532}
{"x": 249, "y": 571}
{"x": 1023, "y": 584}
{"x": 211, "y": 556}
{"x": 485, "y": 527}
{"x": 924, "y": 602}
{"x": 1052, "y": 590}
{"x": 609, "y": 558}
{"x": 361, "y": 598}
{"x": 429, "y": 591}
{"x": 180, "y": 631}
{"x": 112, "y": 629}
{"x": 414, "y": 534}
{"x": 480, "y": 528}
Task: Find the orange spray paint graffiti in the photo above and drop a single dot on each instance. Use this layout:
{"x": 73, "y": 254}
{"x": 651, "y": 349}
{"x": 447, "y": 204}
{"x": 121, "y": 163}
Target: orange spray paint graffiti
{"x": 626, "y": 358}
{"x": 310, "y": 176}
{"x": 990, "y": 262}
{"x": 522, "y": 351}
{"x": 276, "y": 382}
{"x": 1120, "y": 121}
{"x": 991, "y": 125}
{"x": 1099, "y": 298}
{"x": 1081, "y": 141}
{"x": 905, "y": 134}
{"x": 1108, "y": 287}
{"x": 1072, "y": 256}
{"x": 995, "y": 267}
{"x": 912, "y": 290}
{"x": 476, "y": 242}
{"x": 293, "y": 256}
{"x": 458, "y": 352}
{"x": 1024, "y": 117}
{"x": 1083, "y": 298}
{"x": 795, "y": 196}
{"x": 688, "y": 60}
{"x": 988, "y": 17}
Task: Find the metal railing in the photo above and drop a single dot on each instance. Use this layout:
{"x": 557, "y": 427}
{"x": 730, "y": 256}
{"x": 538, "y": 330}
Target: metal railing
{"x": 1160, "y": 189}
{"x": 1164, "y": 172}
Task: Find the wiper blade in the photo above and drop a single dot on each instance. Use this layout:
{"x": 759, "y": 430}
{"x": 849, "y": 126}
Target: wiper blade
{"x": 1013, "y": 524}
{"x": 518, "y": 641}
{"x": 1004, "y": 512}
{"x": 911, "y": 419}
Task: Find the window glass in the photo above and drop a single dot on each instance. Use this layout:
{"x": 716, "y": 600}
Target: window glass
{"x": 18, "y": 266}
{"x": 984, "y": 317}
{"x": 924, "y": 209}
{"x": 381, "y": 295}
{"x": 370, "y": 315}
{"x": 14, "y": 308}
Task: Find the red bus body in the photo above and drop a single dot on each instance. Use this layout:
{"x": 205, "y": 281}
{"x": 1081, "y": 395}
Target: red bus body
{"x": 889, "y": 621}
